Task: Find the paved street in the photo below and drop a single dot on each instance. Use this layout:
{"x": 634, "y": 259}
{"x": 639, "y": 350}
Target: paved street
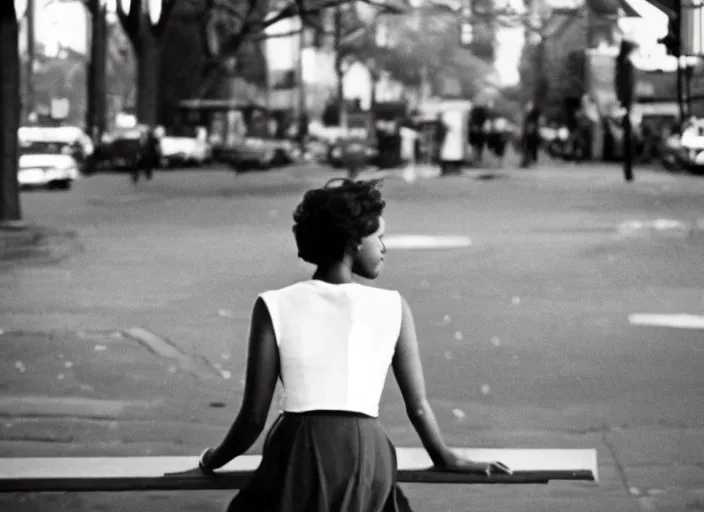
{"x": 134, "y": 342}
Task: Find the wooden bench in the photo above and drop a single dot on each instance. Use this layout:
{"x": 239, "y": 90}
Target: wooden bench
{"x": 102, "y": 474}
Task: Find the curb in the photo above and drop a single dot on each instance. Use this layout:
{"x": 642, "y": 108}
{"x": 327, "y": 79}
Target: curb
{"x": 37, "y": 243}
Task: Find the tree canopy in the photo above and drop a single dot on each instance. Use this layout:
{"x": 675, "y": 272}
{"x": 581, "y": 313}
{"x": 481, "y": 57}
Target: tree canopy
{"x": 429, "y": 44}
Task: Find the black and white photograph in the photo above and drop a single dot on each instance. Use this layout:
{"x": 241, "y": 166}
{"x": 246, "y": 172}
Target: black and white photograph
{"x": 352, "y": 255}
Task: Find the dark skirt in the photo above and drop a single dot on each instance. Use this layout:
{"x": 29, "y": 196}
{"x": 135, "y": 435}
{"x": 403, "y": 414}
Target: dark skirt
{"x": 324, "y": 461}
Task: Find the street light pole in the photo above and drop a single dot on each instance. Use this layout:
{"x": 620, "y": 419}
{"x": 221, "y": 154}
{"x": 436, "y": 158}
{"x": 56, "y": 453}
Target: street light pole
{"x": 30, "y": 99}
{"x": 678, "y": 55}
{"x": 302, "y": 103}
{"x": 97, "y": 79}
{"x": 342, "y": 108}
{"x": 10, "y": 15}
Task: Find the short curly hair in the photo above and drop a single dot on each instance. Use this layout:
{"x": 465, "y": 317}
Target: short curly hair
{"x": 336, "y": 216}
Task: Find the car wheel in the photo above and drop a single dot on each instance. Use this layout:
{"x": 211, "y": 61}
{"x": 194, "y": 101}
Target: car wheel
{"x": 62, "y": 184}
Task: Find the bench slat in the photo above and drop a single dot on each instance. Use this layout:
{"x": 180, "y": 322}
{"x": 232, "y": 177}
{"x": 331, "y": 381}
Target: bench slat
{"x": 92, "y": 474}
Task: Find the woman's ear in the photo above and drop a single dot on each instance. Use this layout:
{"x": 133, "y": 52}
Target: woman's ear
{"x": 353, "y": 248}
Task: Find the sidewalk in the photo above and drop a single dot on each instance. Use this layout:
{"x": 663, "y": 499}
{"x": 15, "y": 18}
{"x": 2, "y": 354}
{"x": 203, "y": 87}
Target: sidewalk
{"x": 104, "y": 393}
{"x": 36, "y": 243}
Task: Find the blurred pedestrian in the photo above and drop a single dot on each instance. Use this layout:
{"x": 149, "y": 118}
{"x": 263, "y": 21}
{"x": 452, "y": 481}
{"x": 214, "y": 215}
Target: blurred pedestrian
{"x": 331, "y": 342}
{"x": 478, "y": 117}
{"x": 530, "y": 135}
{"x": 439, "y": 136}
{"x": 149, "y": 153}
{"x": 497, "y": 137}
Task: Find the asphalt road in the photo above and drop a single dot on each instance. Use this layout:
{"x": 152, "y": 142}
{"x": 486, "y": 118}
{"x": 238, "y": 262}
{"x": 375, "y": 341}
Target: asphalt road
{"x": 524, "y": 334}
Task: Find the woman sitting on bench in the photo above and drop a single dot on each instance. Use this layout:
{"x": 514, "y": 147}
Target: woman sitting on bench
{"x": 331, "y": 341}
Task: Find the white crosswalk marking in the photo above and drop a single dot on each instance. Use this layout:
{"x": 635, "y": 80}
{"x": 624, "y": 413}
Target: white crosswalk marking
{"x": 679, "y": 321}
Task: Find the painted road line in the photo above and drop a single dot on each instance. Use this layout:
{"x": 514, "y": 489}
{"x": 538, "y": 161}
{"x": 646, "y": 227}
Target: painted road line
{"x": 426, "y": 242}
{"x": 679, "y": 321}
{"x": 632, "y": 226}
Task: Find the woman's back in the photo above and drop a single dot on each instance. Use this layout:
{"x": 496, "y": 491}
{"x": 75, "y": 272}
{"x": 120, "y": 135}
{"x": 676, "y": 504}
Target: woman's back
{"x": 336, "y": 342}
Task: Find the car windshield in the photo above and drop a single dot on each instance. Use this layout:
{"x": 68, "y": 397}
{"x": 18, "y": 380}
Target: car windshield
{"x": 44, "y": 148}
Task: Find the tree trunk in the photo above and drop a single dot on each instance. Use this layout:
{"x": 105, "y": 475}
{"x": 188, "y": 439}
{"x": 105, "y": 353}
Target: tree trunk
{"x": 97, "y": 76}
{"x": 148, "y": 71}
{"x": 9, "y": 113}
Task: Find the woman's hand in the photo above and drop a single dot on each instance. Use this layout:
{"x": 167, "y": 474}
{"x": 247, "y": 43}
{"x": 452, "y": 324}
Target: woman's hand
{"x": 457, "y": 464}
{"x": 204, "y": 461}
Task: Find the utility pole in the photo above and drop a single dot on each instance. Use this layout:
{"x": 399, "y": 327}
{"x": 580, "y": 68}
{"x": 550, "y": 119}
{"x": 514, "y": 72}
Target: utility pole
{"x": 678, "y": 54}
{"x": 31, "y": 57}
{"x": 10, "y": 210}
{"x": 302, "y": 103}
{"x": 673, "y": 43}
{"x": 378, "y": 42}
{"x": 342, "y": 108}
{"x": 537, "y": 27}
{"x": 97, "y": 79}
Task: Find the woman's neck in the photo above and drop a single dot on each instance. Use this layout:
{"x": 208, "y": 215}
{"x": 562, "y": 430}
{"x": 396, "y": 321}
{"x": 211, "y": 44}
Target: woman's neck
{"x": 334, "y": 274}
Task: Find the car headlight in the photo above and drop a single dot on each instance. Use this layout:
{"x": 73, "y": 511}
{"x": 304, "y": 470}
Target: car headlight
{"x": 699, "y": 159}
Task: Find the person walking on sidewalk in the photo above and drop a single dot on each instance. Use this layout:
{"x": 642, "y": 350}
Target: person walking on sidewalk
{"x": 331, "y": 341}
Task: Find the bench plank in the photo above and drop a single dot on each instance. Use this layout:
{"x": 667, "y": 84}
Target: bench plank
{"x": 100, "y": 474}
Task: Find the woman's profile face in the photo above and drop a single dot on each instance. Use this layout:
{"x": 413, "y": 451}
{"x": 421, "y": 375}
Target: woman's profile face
{"x": 369, "y": 257}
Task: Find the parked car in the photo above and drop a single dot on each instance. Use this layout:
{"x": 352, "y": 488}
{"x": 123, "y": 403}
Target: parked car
{"x": 180, "y": 150}
{"x": 685, "y": 152}
{"x": 286, "y": 152}
{"x": 46, "y": 164}
{"x": 358, "y": 146}
{"x": 252, "y": 153}
{"x": 71, "y": 139}
{"x": 122, "y": 149}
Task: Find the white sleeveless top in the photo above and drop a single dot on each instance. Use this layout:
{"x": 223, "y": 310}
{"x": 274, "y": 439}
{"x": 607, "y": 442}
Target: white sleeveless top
{"x": 336, "y": 342}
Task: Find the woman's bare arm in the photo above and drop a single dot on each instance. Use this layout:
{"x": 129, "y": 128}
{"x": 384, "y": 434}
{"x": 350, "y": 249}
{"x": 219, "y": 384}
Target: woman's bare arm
{"x": 262, "y": 374}
{"x": 408, "y": 371}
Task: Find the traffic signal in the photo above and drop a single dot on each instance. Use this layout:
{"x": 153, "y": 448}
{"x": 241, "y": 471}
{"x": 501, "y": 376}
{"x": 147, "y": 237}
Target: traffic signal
{"x": 672, "y": 45}
{"x": 672, "y": 40}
